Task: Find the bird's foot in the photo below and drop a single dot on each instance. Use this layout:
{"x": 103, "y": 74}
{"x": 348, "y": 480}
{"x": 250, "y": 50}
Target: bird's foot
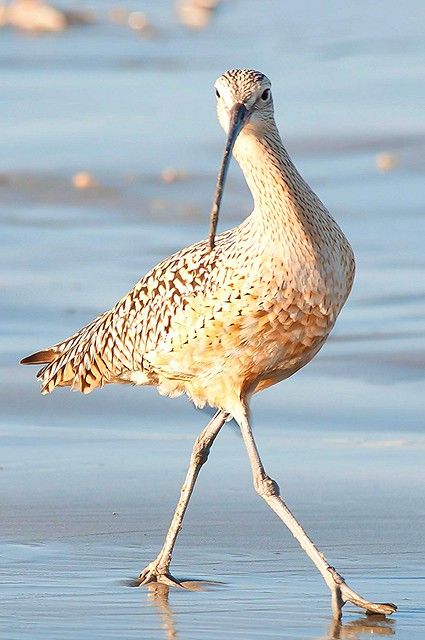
{"x": 154, "y": 573}
{"x": 342, "y": 593}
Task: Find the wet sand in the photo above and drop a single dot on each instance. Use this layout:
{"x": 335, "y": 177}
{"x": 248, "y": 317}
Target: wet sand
{"x": 88, "y": 484}
{"x": 86, "y": 509}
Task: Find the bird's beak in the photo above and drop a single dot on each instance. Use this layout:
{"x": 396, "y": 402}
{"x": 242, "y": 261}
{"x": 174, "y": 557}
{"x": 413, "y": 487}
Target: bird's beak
{"x": 238, "y": 117}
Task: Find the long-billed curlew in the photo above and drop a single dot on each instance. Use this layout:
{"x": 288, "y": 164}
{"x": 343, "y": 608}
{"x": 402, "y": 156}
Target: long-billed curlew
{"x": 230, "y": 316}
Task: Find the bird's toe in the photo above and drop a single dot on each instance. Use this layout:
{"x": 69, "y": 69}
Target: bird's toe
{"x": 152, "y": 573}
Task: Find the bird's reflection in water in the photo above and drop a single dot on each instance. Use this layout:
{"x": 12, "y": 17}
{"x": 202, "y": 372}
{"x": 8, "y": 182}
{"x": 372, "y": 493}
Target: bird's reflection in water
{"x": 158, "y": 597}
{"x": 359, "y": 628}
{"x": 356, "y": 629}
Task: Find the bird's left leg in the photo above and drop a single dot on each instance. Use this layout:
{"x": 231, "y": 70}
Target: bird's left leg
{"x": 158, "y": 570}
{"x": 269, "y": 491}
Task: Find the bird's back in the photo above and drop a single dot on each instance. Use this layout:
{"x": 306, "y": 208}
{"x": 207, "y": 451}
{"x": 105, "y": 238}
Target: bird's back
{"x": 169, "y": 306}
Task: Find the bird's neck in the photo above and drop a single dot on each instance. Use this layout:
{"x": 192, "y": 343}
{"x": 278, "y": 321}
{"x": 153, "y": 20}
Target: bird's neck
{"x": 289, "y": 221}
{"x": 283, "y": 200}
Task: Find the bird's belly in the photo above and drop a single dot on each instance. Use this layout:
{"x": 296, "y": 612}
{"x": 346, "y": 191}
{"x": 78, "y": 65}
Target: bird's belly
{"x": 235, "y": 354}
{"x": 286, "y": 339}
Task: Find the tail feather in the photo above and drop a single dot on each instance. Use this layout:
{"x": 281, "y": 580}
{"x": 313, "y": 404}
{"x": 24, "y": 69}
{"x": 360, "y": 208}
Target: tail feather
{"x": 41, "y": 357}
{"x": 92, "y": 357}
{"x": 58, "y": 368}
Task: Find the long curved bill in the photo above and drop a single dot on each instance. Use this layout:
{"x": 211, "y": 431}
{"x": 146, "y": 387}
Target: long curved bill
{"x": 238, "y": 117}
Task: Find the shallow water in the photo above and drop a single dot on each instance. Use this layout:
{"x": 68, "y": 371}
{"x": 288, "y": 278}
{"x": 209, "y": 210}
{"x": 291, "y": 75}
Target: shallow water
{"x": 90, "y": 511}
{"x": 88, "y": 484}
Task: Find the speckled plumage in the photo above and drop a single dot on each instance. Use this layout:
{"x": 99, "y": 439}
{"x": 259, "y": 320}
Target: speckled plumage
{"x": 230, "y": 315}
{"x": 220, "y": 325}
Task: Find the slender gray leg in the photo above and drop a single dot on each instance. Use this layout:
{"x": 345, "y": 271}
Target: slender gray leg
{"x": 269, "y": 491}
{"x": 158, "y": 570}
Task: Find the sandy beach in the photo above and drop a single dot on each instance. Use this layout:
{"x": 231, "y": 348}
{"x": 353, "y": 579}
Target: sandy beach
{"x": 88, "y": 484}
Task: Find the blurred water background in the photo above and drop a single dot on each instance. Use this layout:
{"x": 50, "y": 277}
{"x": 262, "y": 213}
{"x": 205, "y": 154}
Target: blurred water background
{"x": 110, "y": 148}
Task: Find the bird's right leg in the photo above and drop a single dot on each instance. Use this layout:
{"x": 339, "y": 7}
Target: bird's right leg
{"x": 158, "y": 570}
{"x": 269, "y": 490}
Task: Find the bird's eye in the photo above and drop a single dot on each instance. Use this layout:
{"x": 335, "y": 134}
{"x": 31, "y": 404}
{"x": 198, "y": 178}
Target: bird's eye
{"x": 265, "y": 95}
{"x": 217, "y": 93}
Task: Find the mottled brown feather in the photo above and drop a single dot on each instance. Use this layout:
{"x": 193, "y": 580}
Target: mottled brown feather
{"x": 221, "y": 324}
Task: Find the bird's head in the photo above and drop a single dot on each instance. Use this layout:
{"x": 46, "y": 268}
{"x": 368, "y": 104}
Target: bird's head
{"x": 244, "y": 102}
{"x": 243, "y": 98}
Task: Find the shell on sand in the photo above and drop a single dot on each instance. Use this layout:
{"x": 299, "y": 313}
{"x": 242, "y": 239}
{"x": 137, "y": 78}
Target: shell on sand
{"x": 195, "y": 14}
{"x": 386, "y": 161}
{"x": 83, "y": 180}
{"x": 38, "y": 16}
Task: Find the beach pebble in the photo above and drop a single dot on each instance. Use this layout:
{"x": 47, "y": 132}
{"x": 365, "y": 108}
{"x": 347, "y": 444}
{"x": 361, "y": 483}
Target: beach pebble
{"x": 138, "y": 21}
{"x": 386, "y": 161}
{"x": 38, "y": 16}
{"x": 170, "y": 175}
{"x": 35, "y": 15}
{"x": 83, "y": 180}
{"x": 196, "y": 14}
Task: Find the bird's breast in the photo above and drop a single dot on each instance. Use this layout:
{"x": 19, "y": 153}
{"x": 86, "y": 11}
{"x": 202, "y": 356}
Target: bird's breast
{"x": 259, "y": 321}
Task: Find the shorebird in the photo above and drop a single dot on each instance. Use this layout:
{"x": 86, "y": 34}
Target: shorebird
{"x": 230, "y": 315}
